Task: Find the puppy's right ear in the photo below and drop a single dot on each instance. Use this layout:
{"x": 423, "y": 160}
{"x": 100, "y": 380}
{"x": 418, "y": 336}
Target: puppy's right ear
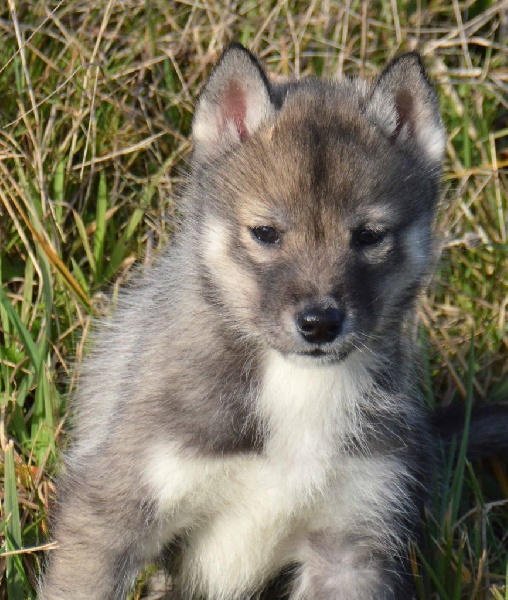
{"x": 235, "y": 101}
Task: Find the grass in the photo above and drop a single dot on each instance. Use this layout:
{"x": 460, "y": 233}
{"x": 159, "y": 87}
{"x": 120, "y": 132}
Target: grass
{"x": 95, "y": 110}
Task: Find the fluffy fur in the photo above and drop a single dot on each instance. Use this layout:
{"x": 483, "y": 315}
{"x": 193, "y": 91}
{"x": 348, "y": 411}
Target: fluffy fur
{"x": 250, "y": 408}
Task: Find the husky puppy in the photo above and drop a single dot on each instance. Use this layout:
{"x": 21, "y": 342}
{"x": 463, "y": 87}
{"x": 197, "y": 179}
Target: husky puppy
{"x": 252, "y": 404}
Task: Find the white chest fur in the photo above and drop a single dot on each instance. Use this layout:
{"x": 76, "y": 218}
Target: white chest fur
{"x": 308, "y": 409}
{"x": 243, "y": 513}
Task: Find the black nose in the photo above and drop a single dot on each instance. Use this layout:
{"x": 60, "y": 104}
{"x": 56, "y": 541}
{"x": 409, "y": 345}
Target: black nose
{"x": 319, "y": 325}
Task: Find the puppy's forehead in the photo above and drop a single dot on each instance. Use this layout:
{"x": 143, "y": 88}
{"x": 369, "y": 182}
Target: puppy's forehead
{"x": 316, "y": 106}
{"x": 326, "y": 132}
{"x": 321, "y": 159}
{"x": 313, "y": 163}
{"x": 327, "y": 97}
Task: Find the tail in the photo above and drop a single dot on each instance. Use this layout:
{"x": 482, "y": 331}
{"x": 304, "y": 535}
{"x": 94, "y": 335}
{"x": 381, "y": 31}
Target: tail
{"x": 488, "y": 428}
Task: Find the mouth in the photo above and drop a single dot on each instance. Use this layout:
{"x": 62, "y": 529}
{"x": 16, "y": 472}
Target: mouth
{"x": 316, "y": 352}
{"x": 323, "y": 356}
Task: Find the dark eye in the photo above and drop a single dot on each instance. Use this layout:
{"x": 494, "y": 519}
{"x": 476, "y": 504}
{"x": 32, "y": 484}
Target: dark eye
{"x": 266, "y": 234}
{"x": 368, "y": 237}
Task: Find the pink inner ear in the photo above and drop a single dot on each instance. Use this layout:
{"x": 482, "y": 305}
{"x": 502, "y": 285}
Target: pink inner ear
{"x": 404, "y": 105}
{"x": 234, "y": 109}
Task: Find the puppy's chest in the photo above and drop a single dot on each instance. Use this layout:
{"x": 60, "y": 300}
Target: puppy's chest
{"x": 308, "y": 413}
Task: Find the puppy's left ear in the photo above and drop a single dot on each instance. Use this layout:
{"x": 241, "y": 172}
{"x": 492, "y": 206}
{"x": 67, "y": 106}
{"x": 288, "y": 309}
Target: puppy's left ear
{"x": 403, "y": 103}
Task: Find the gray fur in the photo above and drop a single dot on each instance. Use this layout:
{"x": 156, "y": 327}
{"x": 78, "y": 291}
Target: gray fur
{"x": 186, "y": 363}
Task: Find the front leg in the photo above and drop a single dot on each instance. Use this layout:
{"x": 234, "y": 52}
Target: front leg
{"x": 357, "y": 547}
{"x": 234, "y": 553}
{"x": 345, "y": 567}
{"x": 104, "y": 536}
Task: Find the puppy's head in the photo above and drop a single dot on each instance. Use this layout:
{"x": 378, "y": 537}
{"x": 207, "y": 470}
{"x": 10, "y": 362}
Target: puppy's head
{"x": 313, "y": 203}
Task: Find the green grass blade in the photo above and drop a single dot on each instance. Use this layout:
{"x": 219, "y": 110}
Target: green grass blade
{"x": 458, "y": 480}
{"x": 100, "y": 226}
{"x": 24, "y": 335}
{"x": 13, "y": 540}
